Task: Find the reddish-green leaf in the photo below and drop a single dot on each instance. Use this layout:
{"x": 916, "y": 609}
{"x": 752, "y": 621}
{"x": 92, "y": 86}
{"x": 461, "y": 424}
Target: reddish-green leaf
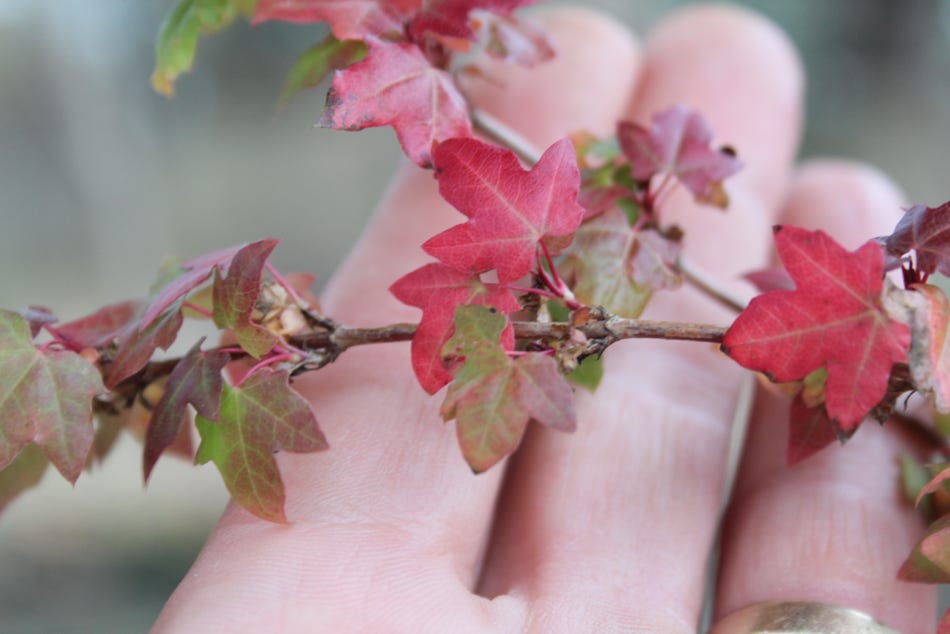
{"x": 103, "y": 327}
{"x": 930, "y": 344}
{"x": 929, "y": 562}
{"x": 809, "y": 431}
{"x": 678, "y": 143}
{"x": 189, "y": 276}
{"x": 926, "y": 231}
{"x": 834, "y": 318}
{"x": 178, "y": 38}
{"x": 137, "y": 344}
{"x": 944, "y": 626}
{"x": 494, "y": 397}
{"x": 196, "y": 380}
{"x": 348, "y": 19}
{"x": 235, "y": 298}
{"x": 395, "y": 85}
{"x": 260, "y": 417}
{"x": 25, "y": 472}
{"x": 45, "y": 398}
{"x": 510, "y": 210}
{"x": 317, "y": 62}
{"x": 611, "y": 265}
{"x": 438, "y": 289}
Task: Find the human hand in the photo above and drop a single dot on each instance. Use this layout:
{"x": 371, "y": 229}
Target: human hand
{"x": 608, "y": 529}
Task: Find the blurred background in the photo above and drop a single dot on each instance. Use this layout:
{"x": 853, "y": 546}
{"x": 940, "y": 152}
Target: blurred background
{"x": 100, "y": 178}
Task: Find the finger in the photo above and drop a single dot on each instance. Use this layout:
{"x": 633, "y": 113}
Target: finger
{"x": 832, "y": 528}
{"x": 609, "y": 529}
{"x": 391, "y": 518}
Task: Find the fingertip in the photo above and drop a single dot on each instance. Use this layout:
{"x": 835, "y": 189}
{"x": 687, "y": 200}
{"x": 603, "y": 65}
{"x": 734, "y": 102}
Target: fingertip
{"x": 585, "y": 87}
{"x": 745, "y": 76}
{"x": 850, "y": 200}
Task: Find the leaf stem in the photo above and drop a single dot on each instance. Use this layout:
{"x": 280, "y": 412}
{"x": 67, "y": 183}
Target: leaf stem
{"x": 287, "y": 286}
{"x": 277, "y": 358}
{"x": 702, "y": 282}
{"x": 198, "y": 309}
{"x": 501, "y": 133}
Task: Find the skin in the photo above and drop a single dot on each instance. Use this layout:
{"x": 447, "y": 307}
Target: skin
{"x": 607, "y": 529}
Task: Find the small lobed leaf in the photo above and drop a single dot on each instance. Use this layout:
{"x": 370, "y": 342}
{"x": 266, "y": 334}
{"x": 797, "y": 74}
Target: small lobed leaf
{"x": 138, "y": 343}
{"x": 316, "y": 63}
{"x": 926, "y": 231}
{"x": 196, "y": 380}
{"x": 178, "y": 37}
{"x": 101, "y": 328}
{"x": 493, "y": 397}
{"x": 261, "y": 416}
{"x": 235, "y": 298}
{"x": 834, "y": 319}
{"x": 183, "y": 279}
{"x": 600, "y": 264}
{"x": 678, "y": 143}
{"x": 438, "y": 290}
{"x": 396, "y": 85}
{"x": 45, "y": 398}
{"x": 510, "y": 210}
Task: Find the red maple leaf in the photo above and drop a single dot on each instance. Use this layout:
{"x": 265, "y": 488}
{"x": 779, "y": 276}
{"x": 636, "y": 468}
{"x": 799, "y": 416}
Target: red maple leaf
{"x": 438, "y": 290}
{"x": 348, "y": 19}
{"x": 396, "y": 85}
{"x": 833, "y": 318}
{"x": 510, "y": 210}
{"x": 926, "y": 231}
{"x": 678, "y": 143}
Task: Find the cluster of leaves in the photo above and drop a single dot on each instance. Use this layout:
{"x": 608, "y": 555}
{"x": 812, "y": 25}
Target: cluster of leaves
{"x": 575, "y": 238}
{"x": 69, "y": 389}
{"x": 395, "y": 61}
{"x": 852, "y": 344}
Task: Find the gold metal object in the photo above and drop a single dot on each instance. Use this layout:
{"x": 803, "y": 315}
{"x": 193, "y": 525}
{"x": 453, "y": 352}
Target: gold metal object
{"x": 798, "y": 617}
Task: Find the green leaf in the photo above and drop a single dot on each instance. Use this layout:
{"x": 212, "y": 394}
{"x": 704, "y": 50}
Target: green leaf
{"x": 178, "y": 37}
{"x": 25, "y": 472}
{"x": 494, "y": 397}
{"x": 45, "y": 398}
{"x": 260, "y": 417}
{"x": 588, "y": 374}
{"x": 314, "y": 64}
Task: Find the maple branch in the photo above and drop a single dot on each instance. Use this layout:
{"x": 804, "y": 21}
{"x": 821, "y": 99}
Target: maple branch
{"x": 607, "y": 331}
{"x": 702, "y": 282}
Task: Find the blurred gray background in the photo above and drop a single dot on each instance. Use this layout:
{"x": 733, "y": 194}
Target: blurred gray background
{"x": 100, "y": 178}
